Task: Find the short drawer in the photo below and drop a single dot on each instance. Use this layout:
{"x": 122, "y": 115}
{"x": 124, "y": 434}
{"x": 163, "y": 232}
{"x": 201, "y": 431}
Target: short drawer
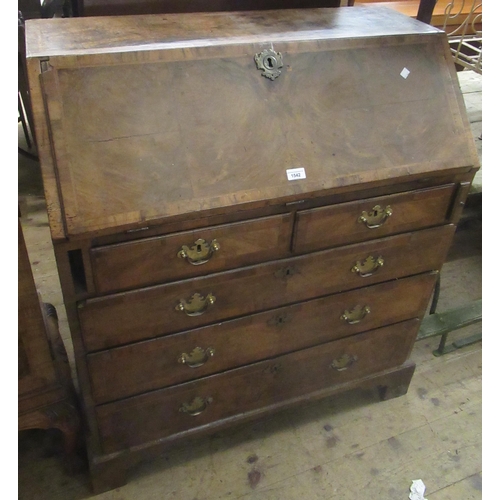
{"x": 153, "y": 364}
{"x": 147, "y": 313}
{"x": 363, "y": 220}
{"x": 252, "y": 388}
{"x": 190, "y": 253}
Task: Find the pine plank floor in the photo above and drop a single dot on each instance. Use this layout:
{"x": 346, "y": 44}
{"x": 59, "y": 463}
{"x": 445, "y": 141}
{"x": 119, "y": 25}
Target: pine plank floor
{"x": 346, "y": 448}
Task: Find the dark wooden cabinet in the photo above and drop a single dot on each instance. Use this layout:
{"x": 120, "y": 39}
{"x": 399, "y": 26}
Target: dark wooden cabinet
{"x": 46, "y": 396}
{"x": 249, "y": 210}
{"x": 134, "y": 7}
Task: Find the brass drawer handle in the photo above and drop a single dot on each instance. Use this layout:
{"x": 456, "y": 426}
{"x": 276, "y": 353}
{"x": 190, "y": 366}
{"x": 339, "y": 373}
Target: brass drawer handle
{"x": 368, "y": 266}
{"x": 376, "y": 217}
{"x": 344, "y": 362}
{"x": 200, "y": 253}
{"x": 198, "y": 357}
{"x": 355, "y": 315}
{"x": 196, "y": 305}
{"x": 196, "y": 406}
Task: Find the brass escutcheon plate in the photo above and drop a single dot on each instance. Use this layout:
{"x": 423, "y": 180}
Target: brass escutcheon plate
{"x": 285, "y": 272}
{"x": 270, "y": 62}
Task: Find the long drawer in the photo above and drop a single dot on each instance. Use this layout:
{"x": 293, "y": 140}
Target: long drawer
{"x": 236, "y": 392}
{"x": 190, "y": 253}
{"x": 123, "y": 372}
{"x": 130, "y": 316}
{"x": 335, "y": 225}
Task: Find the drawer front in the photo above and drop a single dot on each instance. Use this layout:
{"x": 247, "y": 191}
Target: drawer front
{"x": 255, "y": 387}
{"x": 190, "y": 253}
{"x": 123, "y": 372}
{"x": 363, "y": 220}
{"x": 151, "y": 312}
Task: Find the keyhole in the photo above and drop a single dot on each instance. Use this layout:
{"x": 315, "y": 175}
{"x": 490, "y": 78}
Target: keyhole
{"x": 270, "y": 62}
{"x": 198, "y": 248}
{"x": 285, "y": 272}
{"x": 375, "y": 213}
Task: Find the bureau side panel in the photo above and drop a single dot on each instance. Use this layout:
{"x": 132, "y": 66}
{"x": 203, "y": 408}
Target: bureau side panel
{"x": 44, "y": 147}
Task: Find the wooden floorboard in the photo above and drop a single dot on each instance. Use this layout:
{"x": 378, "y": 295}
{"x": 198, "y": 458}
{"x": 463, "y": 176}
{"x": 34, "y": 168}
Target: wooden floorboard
{"x": 346, "y": 448}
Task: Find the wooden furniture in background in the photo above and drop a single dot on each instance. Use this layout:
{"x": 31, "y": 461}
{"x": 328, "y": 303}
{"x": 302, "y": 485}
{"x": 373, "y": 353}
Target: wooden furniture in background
{"x": 31, "y": 9}
{"x": 130, "y": 7}
{"x": 248, "y": 210}
{"x": 46, "y": 395}
{"x": 25, "y": 115}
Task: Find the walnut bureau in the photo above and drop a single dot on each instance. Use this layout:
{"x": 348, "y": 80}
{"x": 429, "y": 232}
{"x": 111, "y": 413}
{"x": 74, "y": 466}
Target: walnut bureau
{"x": 248, "y": 209}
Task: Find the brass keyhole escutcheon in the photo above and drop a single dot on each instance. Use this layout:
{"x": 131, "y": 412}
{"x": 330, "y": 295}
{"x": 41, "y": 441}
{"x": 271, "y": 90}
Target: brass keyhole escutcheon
{"x": 270, "y": 63}
{"x": 279, "y": 320}
{"x": 285, "y": 272}
{"x": 274, "y": 369}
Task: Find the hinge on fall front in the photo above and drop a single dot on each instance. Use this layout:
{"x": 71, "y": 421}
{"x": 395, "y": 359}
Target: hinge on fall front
{"x": 44, "y": 64}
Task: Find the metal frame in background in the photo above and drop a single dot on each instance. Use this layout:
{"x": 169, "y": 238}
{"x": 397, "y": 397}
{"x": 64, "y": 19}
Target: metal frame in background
{"x": 466, "y": 41}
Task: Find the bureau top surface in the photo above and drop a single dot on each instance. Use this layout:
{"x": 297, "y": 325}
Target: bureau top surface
{"x": 151, "y": 118}
{"x": 93, "y": 35}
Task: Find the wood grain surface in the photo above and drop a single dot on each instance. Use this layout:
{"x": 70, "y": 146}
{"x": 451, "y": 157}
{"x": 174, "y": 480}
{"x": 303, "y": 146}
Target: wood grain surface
{"x": 105, "y": 35}
{"x": 122, "y": 372}
{"x": 149, "y": 312}
{"x": 340, "y": 224}
{"x": 255, "y": 386}
{"x": 173, "y": 131}
{"x": 155, "y": 260}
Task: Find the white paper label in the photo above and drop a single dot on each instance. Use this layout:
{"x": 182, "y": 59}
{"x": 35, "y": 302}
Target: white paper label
{"x": 405, "y": 73}
{"x": 417, "y": 490}
{"x": 294, "y": 174}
